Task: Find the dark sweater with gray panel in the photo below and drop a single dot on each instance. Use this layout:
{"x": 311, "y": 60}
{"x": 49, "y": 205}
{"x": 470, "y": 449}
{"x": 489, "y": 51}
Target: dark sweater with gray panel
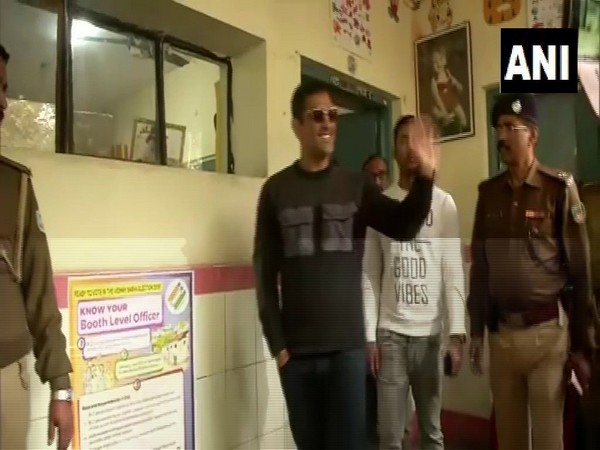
{"x": 310, "y": 233}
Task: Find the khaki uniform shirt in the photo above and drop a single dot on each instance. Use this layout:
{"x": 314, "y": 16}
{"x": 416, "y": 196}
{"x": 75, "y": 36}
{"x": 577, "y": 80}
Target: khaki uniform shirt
{"x": 528, "y": 244}
{"x": 29, "y": 317}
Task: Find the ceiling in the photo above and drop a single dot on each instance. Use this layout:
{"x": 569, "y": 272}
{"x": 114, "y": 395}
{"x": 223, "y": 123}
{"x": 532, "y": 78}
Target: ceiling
{"x": 177, "y": 20}
{"x": 103, "y": 71}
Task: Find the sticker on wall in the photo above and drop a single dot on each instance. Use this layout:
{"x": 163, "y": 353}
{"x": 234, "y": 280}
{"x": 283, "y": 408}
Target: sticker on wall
{"x": 351, "y": 64}
{"x": 393, "y": 10}
{"x": 545, "y": 13}
{"x": 412, "y": 4}
{"x": 500, "y": 11}
{"x": 351, "y": 21}
{"x": 440, "y": 15}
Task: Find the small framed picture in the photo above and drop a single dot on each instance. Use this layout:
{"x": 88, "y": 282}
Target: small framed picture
{"x": 145, "y": 144}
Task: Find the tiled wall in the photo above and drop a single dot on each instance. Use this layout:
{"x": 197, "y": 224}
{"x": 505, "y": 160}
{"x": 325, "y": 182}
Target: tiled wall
{"x": 239, "y": 403}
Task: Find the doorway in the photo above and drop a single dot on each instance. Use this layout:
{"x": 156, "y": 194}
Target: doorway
{"x": 569, "y": 135}
{"x": 359, "y": 130}
{"x": 364, "y": 126}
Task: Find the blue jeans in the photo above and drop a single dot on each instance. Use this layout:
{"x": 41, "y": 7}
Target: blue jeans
{"x": 325, "y": 396}
{"x": 372, "y": 433}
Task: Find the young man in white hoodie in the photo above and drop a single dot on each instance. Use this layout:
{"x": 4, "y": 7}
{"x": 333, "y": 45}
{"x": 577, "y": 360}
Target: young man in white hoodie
{"x": 414, "y": 294}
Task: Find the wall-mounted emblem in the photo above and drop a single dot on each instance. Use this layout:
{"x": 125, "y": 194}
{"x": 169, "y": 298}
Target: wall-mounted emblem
{"x": 351, "y": 64}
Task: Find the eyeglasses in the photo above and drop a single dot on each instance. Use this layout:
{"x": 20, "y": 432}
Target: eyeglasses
{"x": 508, "y": 127}
{"x": 318, "y": 115}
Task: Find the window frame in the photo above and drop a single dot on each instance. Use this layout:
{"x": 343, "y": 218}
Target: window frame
{"x": 69, "y": 11}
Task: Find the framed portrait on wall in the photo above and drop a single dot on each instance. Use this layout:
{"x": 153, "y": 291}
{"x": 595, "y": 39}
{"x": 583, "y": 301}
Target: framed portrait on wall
{"x": 444, "y": 80}
{"x": 175, "y": 144}
{"x": 145, "y": 146}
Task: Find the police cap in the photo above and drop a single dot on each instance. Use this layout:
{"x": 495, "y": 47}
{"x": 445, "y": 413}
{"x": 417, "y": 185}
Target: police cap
{"x": 521, "y": 105}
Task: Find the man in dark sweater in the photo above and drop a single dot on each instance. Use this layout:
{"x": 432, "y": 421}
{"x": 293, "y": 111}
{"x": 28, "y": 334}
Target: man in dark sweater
{"x": 311, "y": 223}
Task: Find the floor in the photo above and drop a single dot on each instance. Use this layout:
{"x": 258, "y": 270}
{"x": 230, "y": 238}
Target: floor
{"x": 461, "y": 432}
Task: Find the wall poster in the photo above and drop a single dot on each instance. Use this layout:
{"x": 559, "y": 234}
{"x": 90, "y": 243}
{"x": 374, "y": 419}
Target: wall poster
{"x": 131, "y": 348}
{"x": 545, "y": 13}
{"x": 351, "y": 21}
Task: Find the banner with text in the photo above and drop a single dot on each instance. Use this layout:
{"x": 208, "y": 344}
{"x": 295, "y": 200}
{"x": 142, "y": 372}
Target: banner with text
{"x": 131, "y": 349}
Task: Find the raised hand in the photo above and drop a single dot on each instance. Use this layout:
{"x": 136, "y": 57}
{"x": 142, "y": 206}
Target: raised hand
{"x": 424, "y": 145}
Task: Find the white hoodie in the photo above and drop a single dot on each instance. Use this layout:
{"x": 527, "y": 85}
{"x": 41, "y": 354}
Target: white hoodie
{"x": 411, "y": 287}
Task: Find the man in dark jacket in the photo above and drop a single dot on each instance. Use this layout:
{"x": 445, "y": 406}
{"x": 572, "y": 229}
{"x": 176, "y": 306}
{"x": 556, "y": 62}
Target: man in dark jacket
{"x": 311, "y": 223}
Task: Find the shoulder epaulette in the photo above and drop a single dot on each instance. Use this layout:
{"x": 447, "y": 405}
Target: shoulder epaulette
{"x": 15, "y": 165}
{"x": 557, "y": 174}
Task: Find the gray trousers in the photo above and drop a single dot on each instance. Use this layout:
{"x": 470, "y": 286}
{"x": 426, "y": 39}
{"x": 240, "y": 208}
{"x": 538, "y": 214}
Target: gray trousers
{"x": 409, "y": 363}
{"x": 410, "y": 410}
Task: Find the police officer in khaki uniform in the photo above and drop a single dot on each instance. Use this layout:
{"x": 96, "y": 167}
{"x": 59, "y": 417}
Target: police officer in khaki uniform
{"x": 530, "y": 284}
{"x": 29, "y": 315}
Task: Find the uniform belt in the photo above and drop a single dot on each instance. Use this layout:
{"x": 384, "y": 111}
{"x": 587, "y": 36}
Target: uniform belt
{"x": 529, "y": 318}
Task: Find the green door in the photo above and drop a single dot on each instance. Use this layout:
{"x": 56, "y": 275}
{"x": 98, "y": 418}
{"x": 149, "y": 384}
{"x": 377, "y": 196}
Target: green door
{"x": 557, "y": 146}
{"x": 358, "y": 136}
{"x": 588, "y": 142}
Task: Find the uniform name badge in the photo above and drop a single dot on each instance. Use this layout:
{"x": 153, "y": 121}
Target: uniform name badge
{"x": 38, "y": 219}
{"x": 578, "y": 213}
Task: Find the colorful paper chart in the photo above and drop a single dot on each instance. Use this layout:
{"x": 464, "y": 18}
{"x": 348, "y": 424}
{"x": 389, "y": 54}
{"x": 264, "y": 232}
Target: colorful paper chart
{"x": 351, "y": 25}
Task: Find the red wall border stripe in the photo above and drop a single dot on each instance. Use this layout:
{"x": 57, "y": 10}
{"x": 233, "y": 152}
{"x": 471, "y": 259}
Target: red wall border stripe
{"x": 208, "y": 279}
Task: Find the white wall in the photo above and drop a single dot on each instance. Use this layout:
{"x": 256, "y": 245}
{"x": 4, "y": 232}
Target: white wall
{"x": 249, "y": 136}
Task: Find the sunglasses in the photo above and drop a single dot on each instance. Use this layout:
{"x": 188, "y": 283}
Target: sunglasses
{"x": 318, "y": 115}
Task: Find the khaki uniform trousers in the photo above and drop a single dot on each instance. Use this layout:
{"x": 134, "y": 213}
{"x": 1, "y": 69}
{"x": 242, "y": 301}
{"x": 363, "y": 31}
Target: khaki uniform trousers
{"x": 528, "y": 382}
{"x": 14, "y": 406}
